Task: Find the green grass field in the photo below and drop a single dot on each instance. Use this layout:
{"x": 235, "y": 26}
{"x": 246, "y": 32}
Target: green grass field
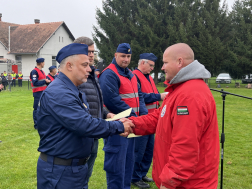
{"x": 18, "y": 149}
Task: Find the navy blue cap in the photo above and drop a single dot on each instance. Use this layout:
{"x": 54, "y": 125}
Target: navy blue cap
{"x": 72, "y": 49}
{"x": 124, "y": 48}
{"x": 148, "y": 56}
{"x": 52, "y": 67}
{"x": 39, "y": 60}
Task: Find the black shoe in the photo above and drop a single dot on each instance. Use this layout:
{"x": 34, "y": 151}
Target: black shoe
{"x": 141, "y": 184}
{"x": 146, "y": 179}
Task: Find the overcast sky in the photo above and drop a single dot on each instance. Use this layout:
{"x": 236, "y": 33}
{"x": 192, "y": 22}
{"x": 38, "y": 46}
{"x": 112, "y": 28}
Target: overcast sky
{"x": 79, "y": 15}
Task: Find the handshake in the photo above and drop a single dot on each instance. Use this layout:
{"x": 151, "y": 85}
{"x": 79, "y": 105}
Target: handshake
{"x": 128, "y": 125}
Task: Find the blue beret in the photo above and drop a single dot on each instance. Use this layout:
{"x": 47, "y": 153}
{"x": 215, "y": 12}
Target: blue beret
{"x": 52, "y": 67}
{"x": 72, "y": 49}
{"x": 124, "y": 48}
{"x": 148, "y": 56}
{"x": 39, "y": 60}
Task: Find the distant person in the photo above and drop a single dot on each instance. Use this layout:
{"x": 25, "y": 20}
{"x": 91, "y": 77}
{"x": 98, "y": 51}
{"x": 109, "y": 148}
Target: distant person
{"x": 1, "y": 87}
{"x": 20, "y": 79}
{"x": 144, "y": 145}
{"x": 66, "y": 127}
{"x": 52, "y": 75}
{"x": 14, "y": 77}
{"x": 186, "y": 149}
{"x": 5, "y": 74}
{"x": 38, "y": 83}
{"x": 4, "y": 81}
{"x": 9, "y": 79}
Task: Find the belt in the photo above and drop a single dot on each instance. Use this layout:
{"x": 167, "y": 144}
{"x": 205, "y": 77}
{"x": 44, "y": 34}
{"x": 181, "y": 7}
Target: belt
{"x": 60, "y": 161}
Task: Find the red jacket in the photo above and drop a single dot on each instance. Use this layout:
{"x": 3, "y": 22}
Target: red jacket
{"x": 186, "y": 150}
{"x": 148, "y": 87}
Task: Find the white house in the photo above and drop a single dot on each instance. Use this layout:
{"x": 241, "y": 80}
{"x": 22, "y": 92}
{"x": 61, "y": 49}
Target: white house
{"x": 32, "y": 41}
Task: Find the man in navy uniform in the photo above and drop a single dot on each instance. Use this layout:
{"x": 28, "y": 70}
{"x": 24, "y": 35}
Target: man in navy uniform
{"x": 93, "y": 93}
{"x": 53, "y": 71}
{"x": 65, "y": 126}
{"x": 120, "y": 92}
{"x": 144, "y": 145}
{"x": 38, "y": 84}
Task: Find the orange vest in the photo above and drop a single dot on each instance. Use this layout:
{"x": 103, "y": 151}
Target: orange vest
{"x": 147, "y": 87}
{"x": 128, "y": 89}
{"x": 51, "y": 78}
{"x": 41, "y": 77}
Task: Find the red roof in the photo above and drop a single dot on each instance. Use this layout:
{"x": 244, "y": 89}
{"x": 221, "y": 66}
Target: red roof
{"x": 29, "y": 39}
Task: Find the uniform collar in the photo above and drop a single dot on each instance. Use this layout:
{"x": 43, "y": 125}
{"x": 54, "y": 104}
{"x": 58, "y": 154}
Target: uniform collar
{"x": 68, "y": 83}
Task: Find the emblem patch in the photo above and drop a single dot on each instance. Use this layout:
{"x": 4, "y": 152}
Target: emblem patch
{"x": 163, "y": 111}
{"x": 129, "y": 50}
{"x": 182, "y": 110}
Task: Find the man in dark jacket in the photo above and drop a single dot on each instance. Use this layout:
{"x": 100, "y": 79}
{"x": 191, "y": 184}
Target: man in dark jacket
{"x": 94, "y": 97}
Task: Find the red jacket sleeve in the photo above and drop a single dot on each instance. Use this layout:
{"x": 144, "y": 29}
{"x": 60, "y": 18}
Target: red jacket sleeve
{"x": 186, "y": 134}
{"x": 146, "y": 124}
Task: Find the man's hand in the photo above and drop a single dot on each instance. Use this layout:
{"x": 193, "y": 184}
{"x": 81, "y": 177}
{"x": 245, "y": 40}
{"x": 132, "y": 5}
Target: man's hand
{"x": 163, "y": 187}
{"x": 1, "y": 86}
{"x": 47, "y": 81}
{"x": 110, "y": 115}
{"x": 128, "y": 125}
{"x": 163, "y": 95}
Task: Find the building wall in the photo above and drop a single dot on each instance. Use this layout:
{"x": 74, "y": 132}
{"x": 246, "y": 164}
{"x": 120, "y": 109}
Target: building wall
{"x": 28, "y": 64}
{"x": 4, "y": 54}
{"x": 53, "y": 45}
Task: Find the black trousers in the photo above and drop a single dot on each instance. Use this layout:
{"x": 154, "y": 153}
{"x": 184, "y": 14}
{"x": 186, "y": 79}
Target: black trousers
{"x": 20, "y": 82}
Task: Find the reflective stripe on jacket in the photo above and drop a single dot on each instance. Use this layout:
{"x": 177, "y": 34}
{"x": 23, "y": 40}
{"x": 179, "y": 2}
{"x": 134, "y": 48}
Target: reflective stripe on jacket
{"x": 51, "y": 78}
{"x": 147, "y": 87}
{"x": 41, "y": 77}
{"x": 128, "y": 90}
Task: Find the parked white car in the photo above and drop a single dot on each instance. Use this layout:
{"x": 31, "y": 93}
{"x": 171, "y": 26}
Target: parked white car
{"x": 223, "y": 78}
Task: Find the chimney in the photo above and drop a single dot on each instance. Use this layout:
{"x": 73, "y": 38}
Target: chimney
{"x": 37, "y": 21}
{"x": 0, "y": 16}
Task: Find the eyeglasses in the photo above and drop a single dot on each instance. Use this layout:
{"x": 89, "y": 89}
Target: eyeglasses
{"x": 151, "y": 65}
{"x": 89, "y": 52}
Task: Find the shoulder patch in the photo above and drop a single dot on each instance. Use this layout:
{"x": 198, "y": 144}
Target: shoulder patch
{"x": 34, "y": 75}
{"x": 182, "y": 110}
{"x": 163, "y": 111}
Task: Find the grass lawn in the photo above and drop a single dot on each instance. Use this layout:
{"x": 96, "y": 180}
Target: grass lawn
{"x": 19, "y": 144}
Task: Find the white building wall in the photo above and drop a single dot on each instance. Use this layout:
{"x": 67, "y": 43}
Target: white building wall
{"x": 53, "y": 45}
{"x": 28, "y": 64}
{"x": 4, "y": 53}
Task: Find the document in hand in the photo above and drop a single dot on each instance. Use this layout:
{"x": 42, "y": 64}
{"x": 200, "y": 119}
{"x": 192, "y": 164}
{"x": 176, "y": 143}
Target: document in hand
{"x": 123, "y": 114}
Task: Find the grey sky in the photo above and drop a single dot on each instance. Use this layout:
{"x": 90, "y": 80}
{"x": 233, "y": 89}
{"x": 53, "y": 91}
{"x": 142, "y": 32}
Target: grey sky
{"x": 79, "y": 15}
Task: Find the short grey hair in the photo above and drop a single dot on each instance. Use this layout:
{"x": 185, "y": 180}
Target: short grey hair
{"x": 84, "y": 40}
{"x": 65, "y": 60}
{"x": 140, "y": 60}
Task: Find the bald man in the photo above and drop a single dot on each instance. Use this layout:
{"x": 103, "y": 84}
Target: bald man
{"x": 186, "y": 149}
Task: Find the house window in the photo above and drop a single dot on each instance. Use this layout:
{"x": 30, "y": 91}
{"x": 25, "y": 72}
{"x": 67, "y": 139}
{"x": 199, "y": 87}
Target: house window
{"x": 18, "y": 59}
{"x": 62, "y": 39}
{"x": 54, "y": 63}
{"x": 59, "y": 38}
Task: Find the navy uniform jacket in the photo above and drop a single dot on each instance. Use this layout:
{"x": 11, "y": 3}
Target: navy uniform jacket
{"x": 110, "y": 84}
{"x": 51, "y": 76}
{"x": 34, "y": 78}
{"x": 148, "y": 97}
{"x": 64, "y": 123}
